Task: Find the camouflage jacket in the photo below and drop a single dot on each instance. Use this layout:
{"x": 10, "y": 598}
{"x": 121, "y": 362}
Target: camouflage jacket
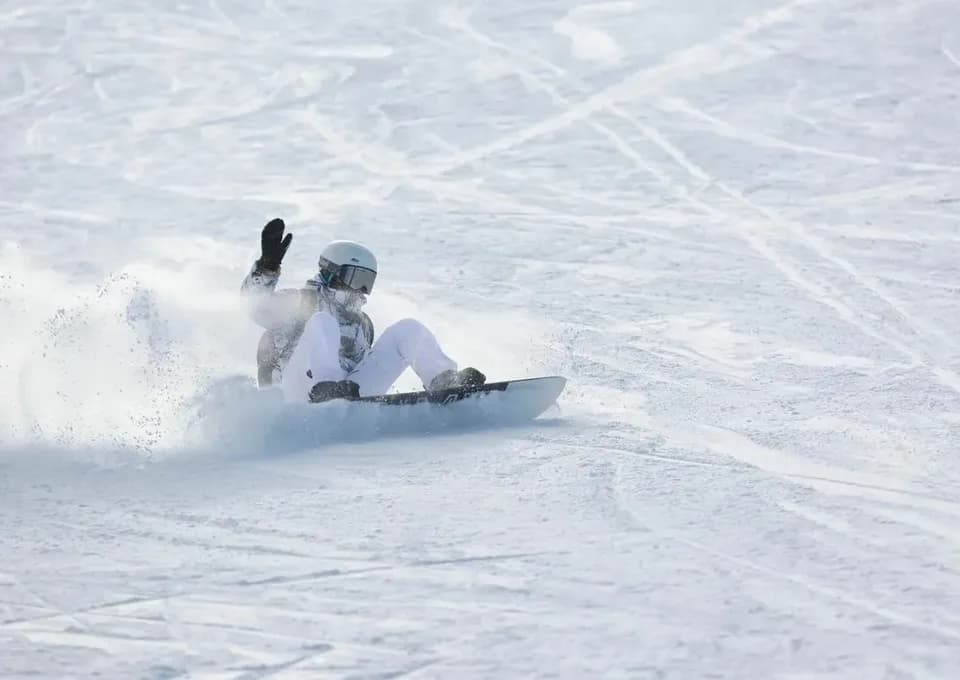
{"x": 283, "y": 314}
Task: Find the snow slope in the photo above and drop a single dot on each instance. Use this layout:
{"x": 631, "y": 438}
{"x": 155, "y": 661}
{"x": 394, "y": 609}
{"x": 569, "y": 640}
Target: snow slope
{"x": 733, "y": 226}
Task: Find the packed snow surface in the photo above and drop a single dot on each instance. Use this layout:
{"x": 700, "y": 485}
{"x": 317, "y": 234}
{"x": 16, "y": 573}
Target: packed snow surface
{"x": 734, "y": 226}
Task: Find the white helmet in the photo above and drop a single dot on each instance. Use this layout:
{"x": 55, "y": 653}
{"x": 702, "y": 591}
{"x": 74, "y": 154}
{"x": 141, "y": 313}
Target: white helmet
{"x": 348, "y": 265}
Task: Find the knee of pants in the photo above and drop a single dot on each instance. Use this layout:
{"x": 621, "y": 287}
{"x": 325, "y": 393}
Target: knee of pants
{"x": 407, "y": 326}
{"x": 405, "y": 329}
{"x": 322, "y": 322}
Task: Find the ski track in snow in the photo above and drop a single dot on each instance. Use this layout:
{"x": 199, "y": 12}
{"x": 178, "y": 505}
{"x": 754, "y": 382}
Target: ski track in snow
{"x": 734, "y": 229}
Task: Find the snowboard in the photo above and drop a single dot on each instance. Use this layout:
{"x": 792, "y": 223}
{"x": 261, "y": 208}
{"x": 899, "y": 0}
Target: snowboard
{"x": 522, "y": 399}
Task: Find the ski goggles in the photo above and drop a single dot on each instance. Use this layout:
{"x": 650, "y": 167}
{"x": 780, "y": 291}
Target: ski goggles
{"x": 356, "y": 278}
{"x": 348, "y": 276}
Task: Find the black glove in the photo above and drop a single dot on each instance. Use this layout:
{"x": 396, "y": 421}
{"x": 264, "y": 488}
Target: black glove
{"x": 325, "y": 390}
{"x": 273, "y": 245}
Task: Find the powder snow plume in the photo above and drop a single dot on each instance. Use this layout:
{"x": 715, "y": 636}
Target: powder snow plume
{"x": 114, "y": 362}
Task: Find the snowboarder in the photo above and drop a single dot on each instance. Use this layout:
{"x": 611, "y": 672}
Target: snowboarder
{"x": 319, "y": 345}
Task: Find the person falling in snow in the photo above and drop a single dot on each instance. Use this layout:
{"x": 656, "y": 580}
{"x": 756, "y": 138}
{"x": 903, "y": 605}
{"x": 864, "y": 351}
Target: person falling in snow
{"x": 318, "y": 344}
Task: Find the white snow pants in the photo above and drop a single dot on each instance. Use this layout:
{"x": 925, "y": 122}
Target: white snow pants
{"x": 316, "y": 357}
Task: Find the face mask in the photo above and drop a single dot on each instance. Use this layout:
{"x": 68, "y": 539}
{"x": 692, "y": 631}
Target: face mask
{"x": 347, "y": 300}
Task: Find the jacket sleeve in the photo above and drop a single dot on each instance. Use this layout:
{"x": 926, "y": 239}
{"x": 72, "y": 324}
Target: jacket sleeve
{"x": 268, "y": 307}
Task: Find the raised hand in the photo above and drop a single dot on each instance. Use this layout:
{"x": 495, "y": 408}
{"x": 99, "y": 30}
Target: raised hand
{"x": 273, "y": 245}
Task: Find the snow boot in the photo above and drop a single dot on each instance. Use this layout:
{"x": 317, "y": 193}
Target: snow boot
{"x": 325, "y": 390}
{"x": 467, "y": 378}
